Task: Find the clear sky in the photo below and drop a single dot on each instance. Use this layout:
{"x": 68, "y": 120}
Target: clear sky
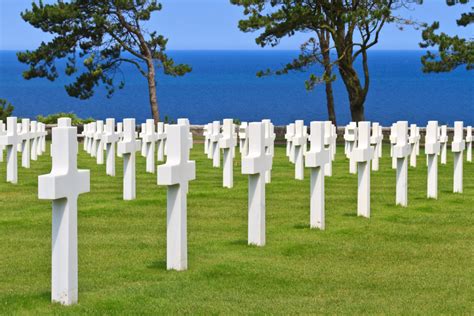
{"x": 212, "y": 24}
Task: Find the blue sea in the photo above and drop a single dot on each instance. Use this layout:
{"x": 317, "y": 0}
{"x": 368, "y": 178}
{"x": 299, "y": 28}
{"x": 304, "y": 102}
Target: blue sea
{"x": 223, "y": 84}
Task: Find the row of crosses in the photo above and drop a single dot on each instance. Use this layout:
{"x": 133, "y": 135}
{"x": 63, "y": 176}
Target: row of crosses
{"x": 27, "y": 137}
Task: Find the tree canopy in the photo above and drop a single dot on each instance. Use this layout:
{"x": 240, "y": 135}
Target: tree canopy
{"x": 102, "y": 35}
{"x": 353, "y": 26}
{"x": 453, "y": 51}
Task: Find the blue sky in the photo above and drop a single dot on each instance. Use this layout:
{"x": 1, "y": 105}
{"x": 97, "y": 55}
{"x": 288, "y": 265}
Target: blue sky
{"x": 212, "y": 24}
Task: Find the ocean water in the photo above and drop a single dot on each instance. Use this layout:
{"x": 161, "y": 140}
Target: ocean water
{"x": 223, "y": 85}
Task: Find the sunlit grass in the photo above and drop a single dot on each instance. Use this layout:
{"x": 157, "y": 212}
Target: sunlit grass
{"x": 417, "y": 259}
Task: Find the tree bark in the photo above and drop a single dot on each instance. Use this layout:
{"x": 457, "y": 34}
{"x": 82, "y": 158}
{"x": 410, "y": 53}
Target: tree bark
{"x": 152, "y": 91}
{"x": 355, "y": 91}
{"x": 324, "y": 38}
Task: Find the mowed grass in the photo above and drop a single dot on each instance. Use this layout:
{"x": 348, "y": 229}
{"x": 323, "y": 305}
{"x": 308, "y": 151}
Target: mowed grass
{"x": 413, "y": 260}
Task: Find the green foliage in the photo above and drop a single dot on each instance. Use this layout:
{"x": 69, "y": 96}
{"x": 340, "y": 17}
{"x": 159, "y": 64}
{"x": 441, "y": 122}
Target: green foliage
{"x": 102, "y": 35}
{"x": 453, "y": 51}
{"x": 348, "y": 28}
{"x": 6, "y": 109}
{"x": 169, "y": 120}
{"x": 53, "y": 118}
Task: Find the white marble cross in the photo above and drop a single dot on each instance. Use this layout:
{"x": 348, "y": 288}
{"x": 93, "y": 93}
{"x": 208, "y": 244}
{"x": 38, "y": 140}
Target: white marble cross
{"x": 91, "y": 148}
{"x": 141, "y": 135}
{"x": 206, "y": 133}
{"x": 43, "y": 133}
{"x": 165, "y": 143}
{"x": 150, "y": 138}
{"x": 413, "y": 140}
{"x": 63, "y": 185}
{"x": 110, "y": 139}
{"x": 227, "y": 142}
{"x": 299, "y": 140}
{"x": 11, "y": 140}
{"x": 350, "y": 137}
{"x": 290, "y": 132}
{"x": 161, "y": 137}
{"x": 2, "y": 132}
{"x": 469, "y": 143}
{"x": 84, "y": 135}
{"x": 376, "y": 140}
{"x": 176, "y": 174}
{"x": 244, "y": 143}
{"x": 362, "y": 155}
{"x": 269, "y": 145}
{"x": 443, "y": 139}
{"x": 215, "y": 151}
{"x": 457, "y": 147}
{"x": 185, "y": 121}
{"x": 99, "y": 141}
{"x": 431, "y": 151}
{"x": 315, "y": 159}
{"x": 128, "y": 147}
{"x": 255, "y": 164}
{"x": 393, "y": 142}
{"x": 120, "y": 135}
{"x": 328, "y": 140}
{"x": 26, "y": 143}
{"x": 400, "y": 152}
{"x": 34, "y": 140}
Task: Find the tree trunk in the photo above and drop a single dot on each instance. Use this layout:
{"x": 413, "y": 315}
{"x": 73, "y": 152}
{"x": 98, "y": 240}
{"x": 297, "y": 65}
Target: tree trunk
{"x": 354, "y": 89}
{"x": 325, "y": 51}
{"x": 152, "y": 91}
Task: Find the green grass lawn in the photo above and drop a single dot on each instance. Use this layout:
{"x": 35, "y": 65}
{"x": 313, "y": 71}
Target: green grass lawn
{"x": 414, "y": 260}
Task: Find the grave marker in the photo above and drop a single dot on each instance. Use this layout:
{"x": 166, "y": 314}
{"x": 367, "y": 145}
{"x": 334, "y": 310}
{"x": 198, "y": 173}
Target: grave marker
{"x": 120, "y": 135}
{"x": 227, "y": 142}
{"x": 443, "y": 139}
{"x": 255, "y": 164}
{"x": 215, "y": 151}
{"x": 176, "y": 174}
{"x": 298, "y": 142}
{"x": 315, "y": 159}
{"x": 350, "y": 137}
{"x": 127, "y": 147}
{"x": 393, "y": 142}
{"x": 150, "y": 138}
{"x": 2, "y": 132}
{"x": 110, "y": 139}
{"x": 400, "y": 152}
{"x": 431, "y": 151}
{"x": 269, "y": 145}
{"x": 10, "y": 140}
{"x": 91, "y": 149}
{"x": 34, "y": 137}
{"x": 290, "y": 132}
{"x": 414, "y": 139}
{"x": 99, "y": 142}
{"x": 160, "y": 137}
{"x": 376, "y": 140}
{"x": 362, "y": 155}
{"x": 206, "y": 133}
{"x": 244, "y": 143}
{"x": 328, "y": 142}
{"x": 457, "y": 147}
{"x": 185, "y": 121}
{"x": 26, "y": 142}
{"x": 63, "y": 185}
{"x": 469, "y": 143}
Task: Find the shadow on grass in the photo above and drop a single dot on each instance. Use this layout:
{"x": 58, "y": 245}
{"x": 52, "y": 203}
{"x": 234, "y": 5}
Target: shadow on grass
{"x": 160, "y": 265}
{"x": 301, "y": 226}
{"x": 240, "y": 242}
